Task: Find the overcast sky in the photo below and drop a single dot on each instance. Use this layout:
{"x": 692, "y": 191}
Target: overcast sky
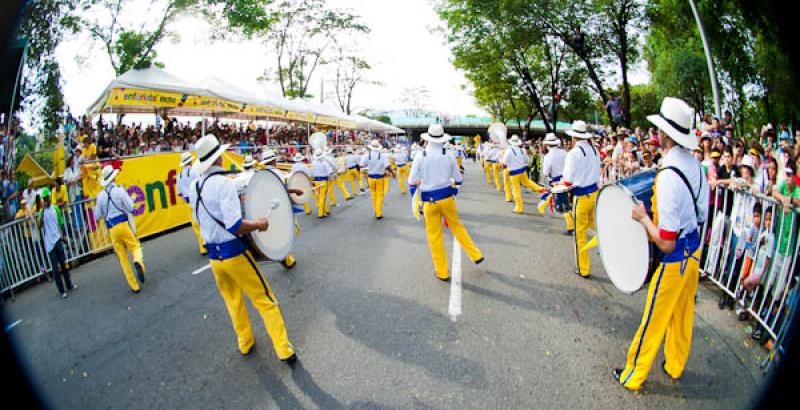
{"x": 402, "y": 48}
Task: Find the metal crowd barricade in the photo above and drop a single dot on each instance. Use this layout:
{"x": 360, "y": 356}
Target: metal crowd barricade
{"x": 727, "y": 259}
{"x": 23, "y": 256}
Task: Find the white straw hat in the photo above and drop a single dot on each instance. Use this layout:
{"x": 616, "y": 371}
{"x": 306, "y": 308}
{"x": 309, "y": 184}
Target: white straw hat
{"x": 515, "y": 141}
{"x": 186, "y": 159}
{"x": 676, "y": 119}
{"x": 579, "y": 130}
{"x": 268, "y": 156}
{"x": 108, "y": 175}
{"x": 249, "y": 162}
{"x": 551, "y": 139}
{"x": 208, "y": 150}
{"x": 298, "y": 157}
{"x": 435, "y": 134}
{"x": 375, "y": 145}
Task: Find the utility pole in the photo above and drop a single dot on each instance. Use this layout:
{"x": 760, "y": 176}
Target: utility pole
{"x": 712, "y": 72}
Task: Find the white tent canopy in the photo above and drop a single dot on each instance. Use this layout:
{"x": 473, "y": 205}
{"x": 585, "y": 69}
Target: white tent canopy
{"x": 151, "y": 89}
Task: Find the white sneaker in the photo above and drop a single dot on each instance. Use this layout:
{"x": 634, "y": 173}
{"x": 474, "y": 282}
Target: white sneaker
{"x": 63, "y": 296}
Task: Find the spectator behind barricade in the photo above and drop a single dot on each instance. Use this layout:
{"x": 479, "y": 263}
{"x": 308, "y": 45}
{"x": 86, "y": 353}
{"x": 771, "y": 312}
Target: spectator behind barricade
{"x": 48, "y": 222}
{"x": 29, "y": 193}
{"x": 759, "y": 276}
{"x": 632, "y": 164}
{"x": 647, "y": 161}
{"x": 788, "y": 194}
{"x": 23, "y": 211}
{"x": 9, "y": 190}
{"x": 89, "y": 148}
{"x": 59, "y": 192}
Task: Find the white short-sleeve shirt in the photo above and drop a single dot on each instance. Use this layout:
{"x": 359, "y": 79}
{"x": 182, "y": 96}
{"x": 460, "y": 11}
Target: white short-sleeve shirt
{"x": 676, "y": 210}
{"x": 582, "y": 165}
{"x": 220, "y": 200}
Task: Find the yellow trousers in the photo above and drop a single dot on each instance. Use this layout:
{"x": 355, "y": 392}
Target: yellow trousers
{"x": 323, "y": 208}
{"x": 507, "y": 185}
{"x": 570, "y": 222}
{"x": 583, "y": 207}
{"x": 331, "y": 194}
{"x": 668, "y": 312}
{"x": 434, "y": 212}
{"x": 353, "y": 175}
{"x": 488, "y": 169}
{"x": 517, "y": 181}
{"x": 402, "y": 177}
{"x": 376, "y": 188}
{"x": 124, "y": 241}
{"x": 196, "y": 229}
{"x": 385, "y": 184}
{"x": 459, "y": 161}
{"x": 340, "y": 184}
{"x": 238, "y": 276}
{"x": 496, "y": 168}
{"x": 307, "y": 207}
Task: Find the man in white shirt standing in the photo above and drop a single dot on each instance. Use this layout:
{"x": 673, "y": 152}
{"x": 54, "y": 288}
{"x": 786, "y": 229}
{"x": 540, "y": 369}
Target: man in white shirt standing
{"x": 115, "y": 206}
{"x": 54, "y": 245}
{"x": 680, "y": 203}
{"x": 517, "y": 162}
{"x": 217, "y": 208}
{"x": 185, "y": 179}
{"x": 582, "y": 174}
{"x": 401, "y": 162}
{"x": 434, "y": 173}
{"x": 321, "y": 172}
{"x": 353, "y": 173}
{"x": 299, "y": 165}
{"x": 553, "y": 170}
{"x": 377, "y": 165}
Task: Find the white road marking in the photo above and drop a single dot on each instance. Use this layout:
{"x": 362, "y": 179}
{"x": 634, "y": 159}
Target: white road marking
{"x": 13, "y": 325}
{"x": 204, "y": 268}
{"x": 455, "y": 283}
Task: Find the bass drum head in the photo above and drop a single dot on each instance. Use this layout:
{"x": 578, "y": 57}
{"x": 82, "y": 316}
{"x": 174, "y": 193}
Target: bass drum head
{"x": 621, "y": 240}
{"x": 299, "y": 180}
{"x": 266, "y": 195}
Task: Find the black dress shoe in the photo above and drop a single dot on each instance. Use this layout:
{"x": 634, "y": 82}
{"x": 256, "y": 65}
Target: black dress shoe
{"x": 569, "y": 232}
{"x": 578, "y": 272}
{"x": 136, "y": 291}
{"x": 444, "y": 280}
{"x": 139, "y": 271}
{"x": 291, "y": 360}
{"x": 379, "y": 217}
{"x": 249, "y": 351}
{"x": 664, "y": 369}
{"x": 478, "y": 262}
{"x": 616, "y": 374}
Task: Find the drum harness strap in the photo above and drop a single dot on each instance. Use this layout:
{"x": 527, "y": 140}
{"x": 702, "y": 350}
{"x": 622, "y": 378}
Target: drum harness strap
{"x": 685, "y": 180}
{"x": 111, "y": 202}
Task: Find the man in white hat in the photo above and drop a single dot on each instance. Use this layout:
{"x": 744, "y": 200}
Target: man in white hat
{"x": 321, "y": 172}
{"x": 488, "y": 169}
{"x": 582, "y": 174}
{"x": 299, "y": 165}
{"x": 218, "y": 209}
{"x": 680, "y": 204}
{"x": 434, "y": 172}
{"x": 377, "y": 165}
{"x": 553, "y": 170}
{"x": 115, "y": 206}
{"x": 269, "y": 159}
{"x": 389, "y": 171}
{"x": 241, "y": 180}
{"x": 353, "y": 173}
{"x": 517, "y": 161}
{"x": 401, "y": 164}
{"x": 185, "y": 179}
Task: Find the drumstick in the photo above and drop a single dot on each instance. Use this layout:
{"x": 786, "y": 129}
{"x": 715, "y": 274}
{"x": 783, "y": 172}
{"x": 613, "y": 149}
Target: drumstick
{"x": 272, "y": 206}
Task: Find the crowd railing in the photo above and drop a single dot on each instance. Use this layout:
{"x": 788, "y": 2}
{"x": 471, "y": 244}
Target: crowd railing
{"x": 23, "y": 257}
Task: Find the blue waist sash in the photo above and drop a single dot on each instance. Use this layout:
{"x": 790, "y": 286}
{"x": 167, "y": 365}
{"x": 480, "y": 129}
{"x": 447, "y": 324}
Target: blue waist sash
{"x": 556, "y": 179}
{"x": 376, "y": 176}
{"x": 584, "y": 190}
{"x": 518, "y": 171}
{"x": 353, "y": 167}
{"x": 438, "y": 194}
{"x": 225, "y": 250}
{"x": 320, "y": 178}
{"x": 493, "y": 161}
{"x": 110, "y": 223}
{"x": 684, "y": 248}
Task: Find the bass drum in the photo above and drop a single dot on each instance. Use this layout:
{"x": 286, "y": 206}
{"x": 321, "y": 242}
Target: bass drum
{"x": 299, "y": 180}
{"x": 266, "y": 197}
{"x": 628, "y": 256}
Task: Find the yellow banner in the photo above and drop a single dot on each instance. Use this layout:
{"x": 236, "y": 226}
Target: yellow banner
{"x": 300, "y": 116}
{"x": 143, "y": 98}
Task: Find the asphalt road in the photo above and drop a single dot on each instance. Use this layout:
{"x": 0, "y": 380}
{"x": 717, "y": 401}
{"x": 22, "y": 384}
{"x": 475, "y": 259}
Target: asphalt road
{"x": 371, "y": 325}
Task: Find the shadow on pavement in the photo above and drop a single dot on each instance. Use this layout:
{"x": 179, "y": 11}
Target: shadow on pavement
{"x": 401, "y": 329}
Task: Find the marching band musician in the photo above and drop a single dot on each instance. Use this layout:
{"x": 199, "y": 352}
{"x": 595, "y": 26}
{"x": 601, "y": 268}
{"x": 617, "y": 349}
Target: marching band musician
{"x": 680, "y": 203}
{"x": 434, "y": 172}
{"x": 488, "y": 169}
{"x": 377, "y": 165}
{"x": 491, "y": 158}
{"x": 185, "y": 179}
{"x": 115, "y": 206}
{"x": 553, "y": 169}
{"x": 354, "y": 172}
{"x": 401, "y": 163}
{"x": 321, "y": 172}
{"x": 243, "y": 177}
{"x": 517, "y": 163}
{"x": 460, "y": 155}
{"x": 501, "y": 158}
{"x": 389, "y": 170}
{"x": 217, "y": 208}
{"x": 582, "y": 174}
{"x": 336, "y": 178}
{"x": 298, "y": 165}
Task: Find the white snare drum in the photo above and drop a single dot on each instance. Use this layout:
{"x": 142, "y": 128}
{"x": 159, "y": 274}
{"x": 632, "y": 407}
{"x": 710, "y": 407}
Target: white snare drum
{"x": 266, "y": 197}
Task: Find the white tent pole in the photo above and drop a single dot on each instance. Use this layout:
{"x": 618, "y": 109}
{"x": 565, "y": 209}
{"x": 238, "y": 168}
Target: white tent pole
{"x": 203, "y": 127}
